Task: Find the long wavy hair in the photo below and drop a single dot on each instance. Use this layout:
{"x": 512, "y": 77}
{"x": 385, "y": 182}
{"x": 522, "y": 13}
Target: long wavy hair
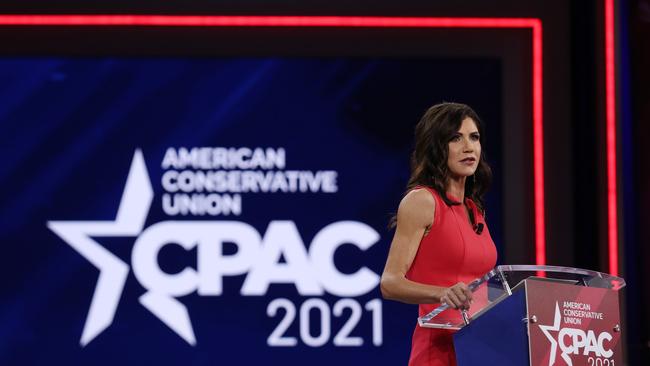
{"x": 429, "y": 165}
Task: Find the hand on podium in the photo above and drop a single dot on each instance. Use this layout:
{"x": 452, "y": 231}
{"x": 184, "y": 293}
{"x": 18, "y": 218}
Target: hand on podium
{"x": 457, "y": 296}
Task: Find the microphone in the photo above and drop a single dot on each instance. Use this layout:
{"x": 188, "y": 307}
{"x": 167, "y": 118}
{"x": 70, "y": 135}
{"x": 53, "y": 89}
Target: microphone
{"x": 478, "y": 228}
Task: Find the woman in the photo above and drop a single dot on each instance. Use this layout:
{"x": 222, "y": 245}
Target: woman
{"x": 441, "y": 242}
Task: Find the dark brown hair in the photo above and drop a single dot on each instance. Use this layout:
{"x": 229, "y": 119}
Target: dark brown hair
{"x": 429, "y": 166}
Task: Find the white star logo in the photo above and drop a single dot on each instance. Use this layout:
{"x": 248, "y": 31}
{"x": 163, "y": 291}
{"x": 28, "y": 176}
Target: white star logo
{"x": 113, "y": 272}
{"x": 546, "y": 329}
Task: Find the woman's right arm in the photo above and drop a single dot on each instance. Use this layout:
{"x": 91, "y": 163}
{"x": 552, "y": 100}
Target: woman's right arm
{"x": 414, "y": 216}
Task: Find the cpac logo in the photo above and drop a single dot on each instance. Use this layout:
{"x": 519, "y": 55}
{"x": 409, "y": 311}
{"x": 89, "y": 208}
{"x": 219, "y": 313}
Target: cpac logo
{"x": 572, "y": 340}
{"x": 313, "y": 272}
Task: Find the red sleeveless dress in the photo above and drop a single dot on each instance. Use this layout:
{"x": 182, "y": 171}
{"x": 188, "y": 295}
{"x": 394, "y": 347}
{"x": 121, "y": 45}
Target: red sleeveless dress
{"x": 449, "y": 253}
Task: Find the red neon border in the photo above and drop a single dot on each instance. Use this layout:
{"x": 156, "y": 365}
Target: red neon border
{"x": 610, "y": 96}
{"x": 343, "y": 21}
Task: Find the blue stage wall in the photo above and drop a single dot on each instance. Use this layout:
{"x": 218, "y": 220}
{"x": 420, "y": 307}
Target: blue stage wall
{"x": 277, "y": 257}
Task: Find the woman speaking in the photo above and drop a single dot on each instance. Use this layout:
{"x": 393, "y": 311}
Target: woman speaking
{"x": 441, "y": 242}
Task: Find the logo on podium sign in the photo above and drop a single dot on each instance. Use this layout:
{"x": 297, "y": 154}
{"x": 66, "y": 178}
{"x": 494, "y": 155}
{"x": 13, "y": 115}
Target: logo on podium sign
{"x": 575, "y": 325}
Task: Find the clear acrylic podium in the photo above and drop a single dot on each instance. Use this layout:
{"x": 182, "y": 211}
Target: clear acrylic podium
{"x": 536, "y": 315}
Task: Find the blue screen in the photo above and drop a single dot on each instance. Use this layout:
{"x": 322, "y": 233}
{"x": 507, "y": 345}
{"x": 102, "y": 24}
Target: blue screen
{"x": 214, "y": 210}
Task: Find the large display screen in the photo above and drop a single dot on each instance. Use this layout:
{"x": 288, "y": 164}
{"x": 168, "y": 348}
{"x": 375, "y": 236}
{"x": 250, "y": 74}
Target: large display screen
{"x": 226, "y": 211}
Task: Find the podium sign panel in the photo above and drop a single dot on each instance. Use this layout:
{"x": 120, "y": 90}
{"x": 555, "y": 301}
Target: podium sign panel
{"x": 543, "y": 315}
{"x": 572, "y": 325}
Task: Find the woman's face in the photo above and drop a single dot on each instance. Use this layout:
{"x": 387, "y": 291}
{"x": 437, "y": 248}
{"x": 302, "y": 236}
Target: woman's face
{"x": 464, "y": 150}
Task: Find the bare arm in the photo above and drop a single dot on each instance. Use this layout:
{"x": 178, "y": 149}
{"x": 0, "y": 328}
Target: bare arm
{"x": 414, "y": 215}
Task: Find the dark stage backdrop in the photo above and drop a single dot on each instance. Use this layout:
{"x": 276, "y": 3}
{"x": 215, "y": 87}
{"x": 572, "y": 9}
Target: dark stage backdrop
{"x": 213, "y": 210}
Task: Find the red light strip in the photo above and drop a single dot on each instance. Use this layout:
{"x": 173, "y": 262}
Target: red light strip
{"x": 610, "y": 91}
{"x": 538, "y": 146}
{"x": 343, "y": 21}
{"x": 263, "y": 21}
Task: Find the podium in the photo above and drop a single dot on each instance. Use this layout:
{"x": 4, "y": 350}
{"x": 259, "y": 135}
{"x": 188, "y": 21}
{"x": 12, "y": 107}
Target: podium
{"x": 537, "y": 316}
